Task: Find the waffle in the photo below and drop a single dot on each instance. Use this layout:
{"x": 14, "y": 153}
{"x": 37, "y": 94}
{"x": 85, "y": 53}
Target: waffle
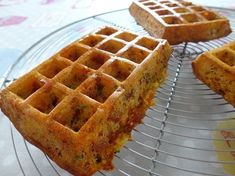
{"x": 216, "y": 68}
{"x": 80, "y": 105}
{"x": 179, "y": 21}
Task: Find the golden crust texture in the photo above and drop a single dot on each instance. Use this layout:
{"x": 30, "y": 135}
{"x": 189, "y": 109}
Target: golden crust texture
{"x": 179, "y": 21}
{"x": 80, "y": 105}
{"x": 216, "y": 68}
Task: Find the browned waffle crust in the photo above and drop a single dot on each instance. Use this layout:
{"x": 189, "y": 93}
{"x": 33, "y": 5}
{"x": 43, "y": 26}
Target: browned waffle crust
{"x": 216, "y": 68}
{"x": 179, "y": 21}
{"x": 80, "y": 105}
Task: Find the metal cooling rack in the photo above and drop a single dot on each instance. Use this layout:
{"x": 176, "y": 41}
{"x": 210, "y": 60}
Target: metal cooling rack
{"x": 176, "y": 137}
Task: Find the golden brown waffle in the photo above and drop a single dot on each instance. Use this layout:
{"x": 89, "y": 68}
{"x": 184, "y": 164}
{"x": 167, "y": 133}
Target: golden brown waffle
{"x": 80, "y": 106}
{"x": 216, "y": 68}
{"x": 179, "y": 21}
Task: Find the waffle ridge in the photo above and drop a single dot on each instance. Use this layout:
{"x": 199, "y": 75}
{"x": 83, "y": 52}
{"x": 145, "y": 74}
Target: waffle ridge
{"x": 179, "y": 21}
{"x": 80, "y": 105}
{"x": 216, "y": 68}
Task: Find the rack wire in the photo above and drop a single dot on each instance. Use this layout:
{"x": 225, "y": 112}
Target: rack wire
{"x": 176, "y": 137}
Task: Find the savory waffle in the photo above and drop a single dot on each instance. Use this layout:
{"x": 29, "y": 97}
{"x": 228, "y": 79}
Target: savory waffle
{"x": 80, "y": 105}
{"x": 216, "y": 68}
{"x": 179, "y": 21}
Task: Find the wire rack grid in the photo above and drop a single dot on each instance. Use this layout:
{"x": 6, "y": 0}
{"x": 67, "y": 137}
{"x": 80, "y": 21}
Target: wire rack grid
{"x": 177, "y": 135}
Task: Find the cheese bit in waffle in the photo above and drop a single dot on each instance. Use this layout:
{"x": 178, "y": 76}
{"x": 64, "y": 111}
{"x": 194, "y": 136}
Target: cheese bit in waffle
{"x": 216, "y": 68}
{"x": 179, "y": 21}
{"x": 80, "y": 105}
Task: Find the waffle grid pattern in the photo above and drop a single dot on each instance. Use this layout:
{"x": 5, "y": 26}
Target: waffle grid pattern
{"x": 90, "y": 69}
{"x": 174, "y": 12}
{"x": 216, "y": 68}
{"x": 179, "y": 21}
{"x": 81, "y": 104}
{"x": 226, "y": 54}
